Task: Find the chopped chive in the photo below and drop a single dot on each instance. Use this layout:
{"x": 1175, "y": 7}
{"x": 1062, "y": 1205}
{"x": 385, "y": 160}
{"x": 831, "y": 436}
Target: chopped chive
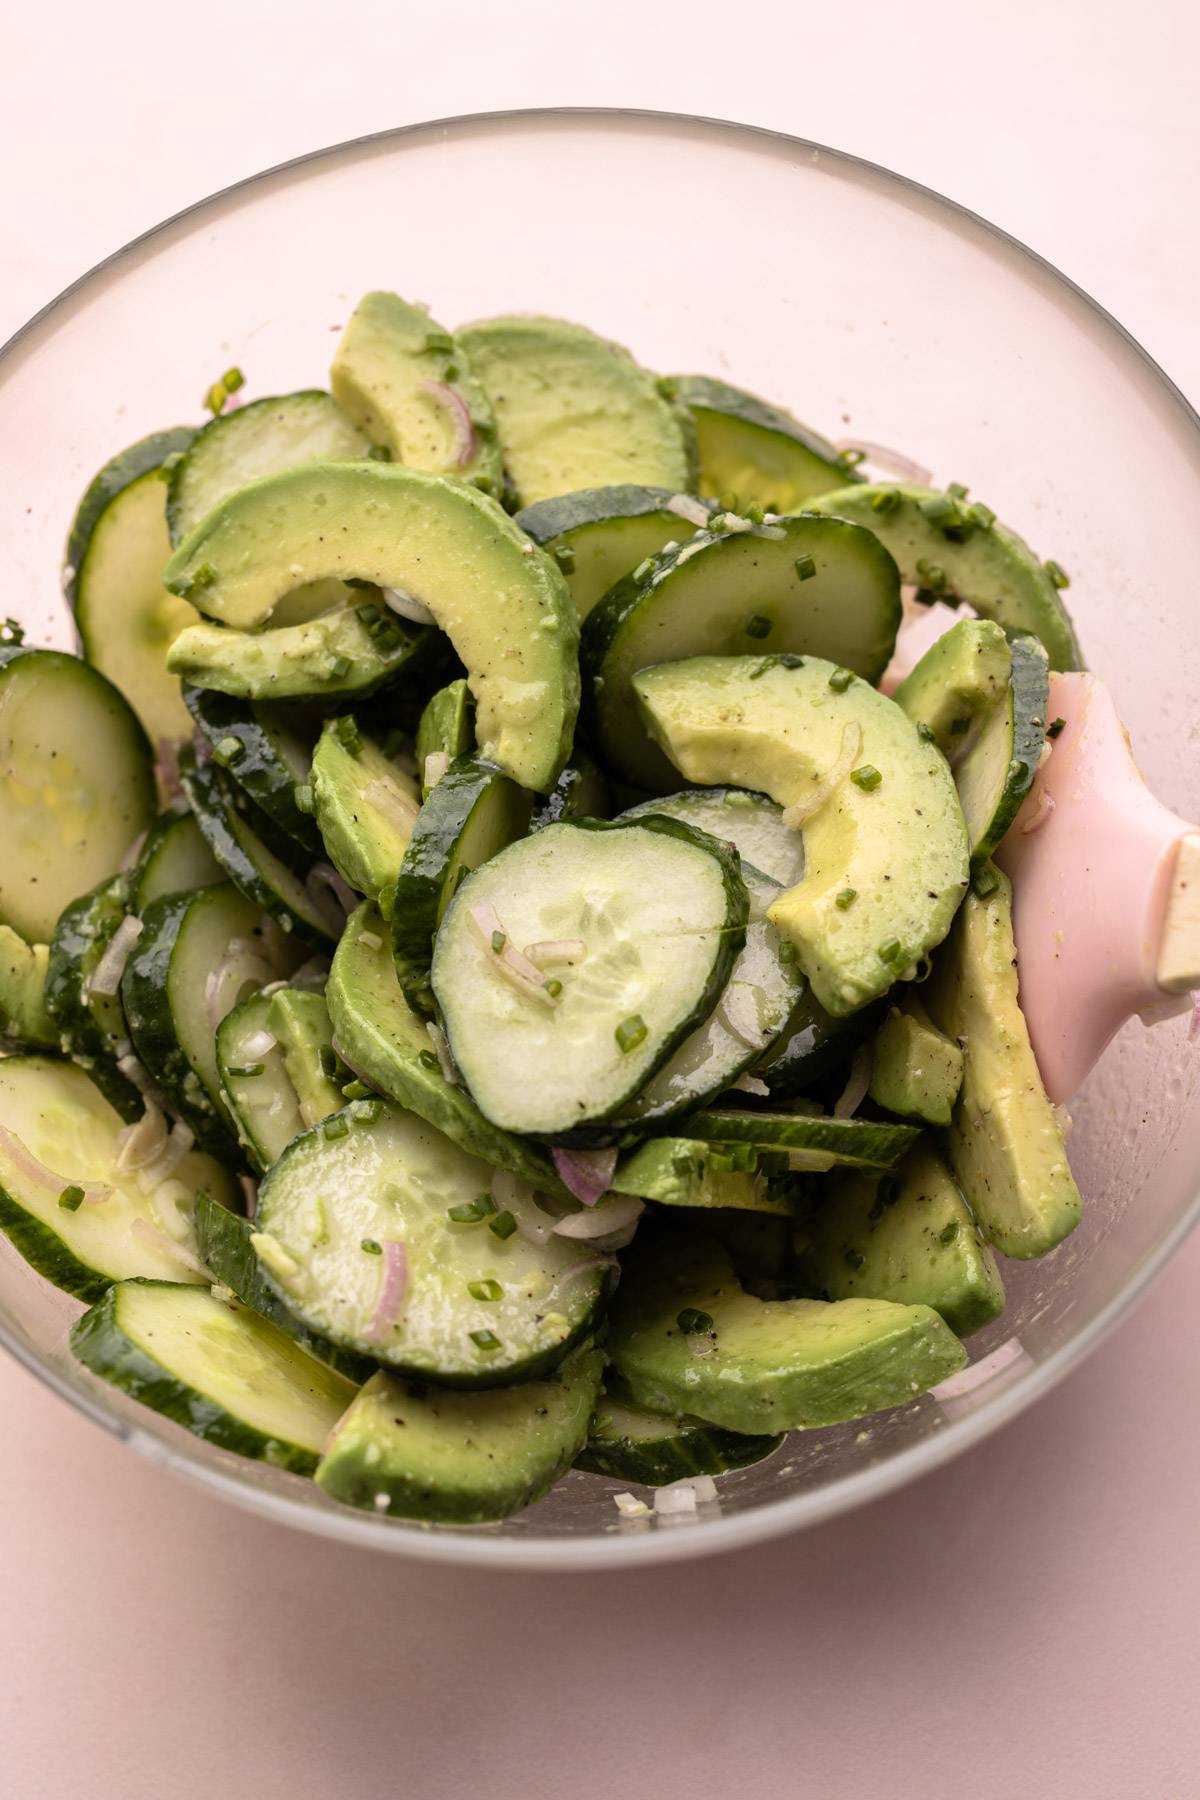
{"x": 216, "y": 397}
{"x": 720, "y": 1162}
{"x": 727, "y": 502}
{"x": 71, "y": 1198}
{"x": 888, "y": 953}
{"x": 754, "y": 513}
{"x": 484, "y": 1340}
{"x": 1054, "y": 727}
{"x": 232, "y": 380}
{"x": 485, "y": 1203}
{"x": 204, "y": 576}
{"x": 932, "y": 575}
{"x": 427, "y": 1059}
{"x": 957, "y": 489}
{"x": 773, "y": 1162}
{"x": 745, "y": 1158}
{"x": 940, "y": 509}
{"x": 841, "y": 679}
{"x": 886, "y": 1194}
{"x": 643, "y": 569}
{"x": 227, "y": 751}
{"x": 806, "y": 567}
{"x": 926, "y": 597}
{"x": 986, "y": 883}
{"x": 387, "y": 901}
{"x": 379, "y": 453}
{"x": 959, "y": 727}
{"x": 485, "y": 1290}
{"x": 757, "y": 626}
{"x": 850, "y": 459}
{"x": 385, "y": 636}
{"x": 887, "y": 501}
{"x": 845, "y": 900}
{"x": 339, "y": 667}
{"x": 923, "y": 731}
{"x": 346, "y": 731}
{"x": 368, "y": 1110}
{"x": 469, "y": 1213}
{"x": 302, "y": 795}
{"x": 498, "y": 941}
{"x": 327, "y": 1057}
{"x": 1058, "y": 575}
{"x": 631, "y": 1032}
{"x": 438, "y": 340}
{"x": 170, "y": 463}
{"x": 667, "y": 386}
{"x": 979, "y": 514}
{"x": 337, "y": 1127}
{"x": 761, "y": 668}
{"x": 948, "y": 1235}
{"x": 682, "y": 1166}
{"x": 367, "y": 615}
{"x": 503, "y": 1225}
{"x": 564, "y": 556}
{"x": 355, "y": 1090}
{"x": 691, "y": 1319}
{"x": 787, "y": 952}
{"x": 854, "y": 1258}
{"x": 867, "y": 778}
{"x": 372, "y": 1247}
{"x": 247, "y": 1072}
{"x": 789, "y": 660}
{"x": 553, "y": 987}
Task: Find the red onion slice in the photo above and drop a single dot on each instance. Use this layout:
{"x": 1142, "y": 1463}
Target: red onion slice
{"x": 585, "y": 1173}
{"x": 243, "y": 959}
{"x": 249, "y": 1189}
{"x": 739, "y": 1010}
{"x": 855, "y": 1090}
{"x": 408, "y": 606}
{"x": 462, "y": 441}
{"x": 795, "y": 815}
{"x": 105, "y": 978}
{"x": 51, "y": 1183}
{"x": 166, "y": 767}
{"x": 508, "y": 961}
{"x": 154, "y": 1234}
{"x": 890, "y": 461}
{"x": 685, "y": 507}
{"x": 616, "y": 1215}
{"x": 392, "y": 1290}
{"x": 554, "y": 950}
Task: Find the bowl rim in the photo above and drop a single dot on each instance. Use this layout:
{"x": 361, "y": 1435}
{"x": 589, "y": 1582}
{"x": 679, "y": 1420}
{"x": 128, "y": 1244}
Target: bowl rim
{"x": 480, "y": 1546}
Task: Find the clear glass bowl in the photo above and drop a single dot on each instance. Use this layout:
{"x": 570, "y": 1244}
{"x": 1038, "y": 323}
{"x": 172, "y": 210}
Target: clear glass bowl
{"x": 876, "y": 311}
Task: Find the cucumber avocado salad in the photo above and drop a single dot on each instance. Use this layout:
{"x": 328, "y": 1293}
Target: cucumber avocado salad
{"x": 491, "y": 982}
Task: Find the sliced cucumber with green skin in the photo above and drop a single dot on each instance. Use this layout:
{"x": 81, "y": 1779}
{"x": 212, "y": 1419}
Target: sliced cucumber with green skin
{"x": 581, "y": 792}
{"x": 756, "y": 451}
{"x": 249, "y": 864}
{"x": 679, "y": 1171}
{"x": 660, "y": 912}
{"x": 196, "y": 957}
{"x": 908, "y": 1237}
{"x": 756, "y": 1365}
{"x": 408, "y": 384}
{"x": 447, "y": 724}
{"x": 950, "y": 550}
{"x": 627, "y": 1443}
{"x": 255, "y": 440}
{"x": 91, "y": 1025}
{"x": 330, "y": 658}
{"x": 813, "y": 1044}
{"x": 885, "y": 842}
{"x": 997, "y": 771}
{"x": 174, "y": 857}
{"x": 575, "y": 411}
{"x": 54, "y": 1114}
{"x": 753, "y": 822}
{"x": 600, "y": 535}
{"x": 76, "y": 785}
{"x": 258, "y": 1092}
{"x": 501, "y": 601}
{"x": 23, "y": 1015}
{"x": 459, "y": 1459}
{"x": 960, "y": 678}
{"x": 390, "y": 1045}
{"x": 224, "y": 1239}
{"x": 113, "y": 579}
{"x": 815, "y": 587}
{"x": 355, "y": 1232}
{"x": 216, "y": 1368}
{"x": 472, "y": 812}
{"x": 299, "y": 1021}
{"x": 365, "y": 808}
{"x": 812, "y": 1143}
{"x": 266, "y": 755}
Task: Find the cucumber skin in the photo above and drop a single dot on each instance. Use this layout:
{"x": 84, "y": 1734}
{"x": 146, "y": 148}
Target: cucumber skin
{"x": 47, "y": 1255}
{"x": 81, "y": 1036}
{"x": 581, "y": 791}
{"x": 257, "y": 770}
{"x": 1030, "y": 701}
{"x": 798, "y": 1132}
{"x": 118, "y": 474}
{"x": 547, "y": 519}
{"x": 697, "y": 1449}
{"x": 224, "y": 1241}
{"x": 100, "y": 1344}
{"x": 812, "y": 1044}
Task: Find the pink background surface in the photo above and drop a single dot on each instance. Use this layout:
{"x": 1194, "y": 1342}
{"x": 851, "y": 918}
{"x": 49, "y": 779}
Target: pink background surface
{"x": 1025, "y": 1620}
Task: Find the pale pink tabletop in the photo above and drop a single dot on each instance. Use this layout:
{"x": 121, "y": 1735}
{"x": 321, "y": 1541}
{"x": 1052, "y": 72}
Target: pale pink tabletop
{"x": 1025, "y": 1621}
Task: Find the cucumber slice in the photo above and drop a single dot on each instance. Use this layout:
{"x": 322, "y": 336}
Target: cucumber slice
{"x": 756, "y": 1007}
{"x": 581, "y": 792}
{"x": 470, "y": 815}
{"x": 113, "y": 579}
{"x": 459, "y": 1459}
{"x": 960, "y": 678}
{"x": 885, "y": 844}
{"x": 501, "y": 601}
{"x": 407, "y": 383}
{"x": 334, "y": 657}
{"x": 997, "y": 771}
{"x": 249, "y": 864}
{"x": 677, "y": 1171}
{"x": 225, "y": 1242}
{"x": 447, "y": 724}
{"x": 379, "y": 1034}
{"x": 174, "y": 857}
{"x": 271, "y": 760}
{"x": 196, "y": 956}
{"x": 756, "y": 451}
{"x": 916, "y": 1070}
{"x": 1005, "y": 1143}
{"x": 660, "y": 910}
{"x": 58, "y": 1117}
{"x": 575, "y": 411}
{"x": 815, "y": 587}
{"x": 23, "y": 1015}
{"x": 365, "y": 808}
{"x": 299, "y": 1021}
{"x": 216, "y": 1368}
{"x": 762, "y": 1365}
{"x": 952, "y": 550}
{"x": 76, "y": 785}
{"x": 811, "y": 1143}
{"x": 600, "y": 535}
{"x": 261, "y": 1098}
{"x": 813, "y": 1044}
{"x": 355, "y": 1231}
{"x": 627, "y": 1443}
{"x": 752, "y": 822}
{"x": 91, "y": 1025}
{"x": 256, "y": 440}
{"x": 908, "y": 1237}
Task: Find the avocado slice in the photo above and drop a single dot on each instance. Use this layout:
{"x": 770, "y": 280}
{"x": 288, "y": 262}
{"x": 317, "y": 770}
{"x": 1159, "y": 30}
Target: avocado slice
{"x": 681, "y": 1171}
{"x": 602, "y": 534}
{"x": 684, "y": 1336}
{"x": 345, "y": 653}
{"x": 408, "y": 385}
{"x": 917, "y": 1070}
{"x": 576, "y": 411}
{"x": 908, "y": 1237}
{"x": 447, "y": 724}
{"x": 365, "y": 807}
{"x": 756, "y": 451}
{"x": 501, "y": 600}
{"x": 23, "y": 1014}
{"x": 960, "y": 552}
{"x": 885, "y": 855}
{"x": 959, "y": 678}
{"x": 459, "y": 1458}
{"x": 1005, "y": 1143}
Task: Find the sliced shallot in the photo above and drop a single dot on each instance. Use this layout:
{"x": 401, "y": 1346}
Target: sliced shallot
{"x": 508, "y": 961}
{"x": 407, "y": 605}
{"x": 801, "y": 810}
{"x": 105, "y": 978}
{"x": 855, "y": 1090}
{"x": 392, "y": 1290}
{"x": 585, "y": 1173}
{"x": 462, "y": 444}
{"x": 617, "y": 1214}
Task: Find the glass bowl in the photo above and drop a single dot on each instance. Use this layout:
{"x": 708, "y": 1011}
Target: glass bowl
{"x": 877, "y": 312}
